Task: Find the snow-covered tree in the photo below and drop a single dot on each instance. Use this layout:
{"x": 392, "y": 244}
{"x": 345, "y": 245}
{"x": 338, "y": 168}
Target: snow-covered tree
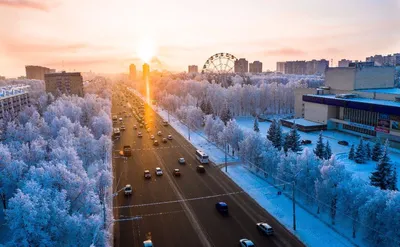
{"x": 360, "y": 155}
{"x": 275, "y": 134}
{"x": 271, "y": 133}
{"x": 319, "y": 150}
{"x": 351, "y": 152}
{"x": 255, "y": 125}
{"x": 368, "y": 151}
{"x": 382, "y": 177}
{"x": 226, "y": 114}
{"x": 376, "y": 151}
{"x": 234, "y": 134}
{"x": 328, "y": 151}
{"x": 393, "y": 180}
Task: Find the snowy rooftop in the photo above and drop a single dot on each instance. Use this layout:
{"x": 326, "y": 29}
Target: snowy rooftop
{"x": 382, "y": 90}
{"x": 361, "y": 100}
{"x": 303, "y": 122}
{"x": 13, "y": 90}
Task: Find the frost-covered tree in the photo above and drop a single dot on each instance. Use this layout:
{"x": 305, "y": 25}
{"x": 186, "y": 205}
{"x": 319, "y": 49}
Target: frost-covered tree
{"x": 295, "y": 140}
{"x": 328, "y": 151}
{"x": 376, "y": 151}
{"x": 271, "y": 133}
{"x": 382, "y": 177}
{"x": 360, "y": 155}
{"x": 234, "y": 134}
{"x": 252, "y": 148}
{"x": 393, "y": 180}
{"x": 226, "y": 114}
{"x": 368, "y": 151}
{"x": 255, "y": 125}
{"x": 275, "y": 134}
{"x": 319, "y": 150}
{"x": 351, "y": 152}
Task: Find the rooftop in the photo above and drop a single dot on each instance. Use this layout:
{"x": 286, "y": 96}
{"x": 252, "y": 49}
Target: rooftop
{"x": 63, "y": 73}
{"x": 382, "y": 90}
{"x": 303, "y": 122}
{"x": 12, "y": 90}
{"x": 358, "y": 99}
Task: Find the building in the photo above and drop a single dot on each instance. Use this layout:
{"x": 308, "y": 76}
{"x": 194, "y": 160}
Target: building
{"x": 361, "y": 100}
{"x": 13, "y": 99}
{"x": 132, "y": 72}
{"x": 241, "y": 66}
{"x": 344, "y": 63}
{"x": 255, "y": 67}
{"x": 193, "y": 69}
{"x": 146, "y": 70}
{"x": 382, "y": 60}
{"x": 280, "y": 67}
{"x": 36, "y": 72}
{"x": 316, "y": 67}
{"x": 69, "y": 83}
{"x": 2, "y": 77}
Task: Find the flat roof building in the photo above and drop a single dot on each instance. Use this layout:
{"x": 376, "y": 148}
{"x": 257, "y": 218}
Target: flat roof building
{"x": 255, "y": 67}
{"x": 193, "y": 69}
{"x": 132, "y": 72}
{"x": 36, "y": 72}
{"x": 13, "y": 99}
{"x": 69, "y": 83}
{"x": 241, "y": 66}
{"x": 146, "y": 70}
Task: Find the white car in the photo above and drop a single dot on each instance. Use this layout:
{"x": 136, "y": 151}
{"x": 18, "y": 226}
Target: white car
{"x": 128, "y": 190}
{"x": 159, "y": 133}
{"x": 246, "y": 243}
{"x": 134, "y": 126}
{"x": 147, "y": 243}
{"x": 120, "y": 119}
{"x": 265, "y": 228}
{"x": 152, "y": 137}
{"x": 139, "y": 134}
{"x": 169, "y": 137}
{"x": 147, "y": 174}
{"x": 181, "y": 160}
{"x": 159, "y": 171}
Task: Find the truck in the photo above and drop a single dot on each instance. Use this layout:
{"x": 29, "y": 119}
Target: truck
{"x": 127, "y": 150}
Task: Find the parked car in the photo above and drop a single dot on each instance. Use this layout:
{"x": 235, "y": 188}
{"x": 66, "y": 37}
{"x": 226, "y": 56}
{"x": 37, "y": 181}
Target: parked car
{"x": 147, "y": 174}
{"x": 177, "y": 173}
{"x": 200, "y": 169}
{"x": 128, "y": 190}
{"x": 344, "y": 143}
{"x": 265, "y": 228}
{"x": 181, "y": 161}
{"x": 222, "y": 207}
{"x": 246, "y": 243}
{"x": 306, "y": 142}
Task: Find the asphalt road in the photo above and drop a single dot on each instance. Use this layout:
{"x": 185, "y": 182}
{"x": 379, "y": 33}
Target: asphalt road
{"x": 185, "y": 223}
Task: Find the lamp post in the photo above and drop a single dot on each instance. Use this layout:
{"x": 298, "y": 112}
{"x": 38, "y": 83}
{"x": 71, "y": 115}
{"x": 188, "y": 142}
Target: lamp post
{"x": 294, "y": 199}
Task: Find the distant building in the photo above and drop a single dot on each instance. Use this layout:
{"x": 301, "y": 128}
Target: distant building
{"x": 388, "y": 60}
{"x": 2, "y": 77}
{"x": 280, "y": 67}
{"x": 69, "y": 83}
{"x": 241, "y": 66}
{"x": 316, "y": 67}
{"x": 344, "y": 63}
{"x": 21, "y": 77}
{"x": 146, "y": 70}
{"x": 255, "y": 67}
{"x": 132, "y": 72}
{"x": 193, "y": 69}
{"x": 313, "y": 67}
{"x": 36, "y": 72}
{"x": 13, "y": 99}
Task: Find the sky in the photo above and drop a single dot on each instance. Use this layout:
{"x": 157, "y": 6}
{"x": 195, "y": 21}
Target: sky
{"x": 106, "y": 36}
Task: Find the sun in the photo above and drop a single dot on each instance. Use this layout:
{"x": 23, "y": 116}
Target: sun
{"x": 146, "y": 49}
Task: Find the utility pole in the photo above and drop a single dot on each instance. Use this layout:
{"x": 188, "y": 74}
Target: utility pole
{"x": 294, "y": 206}
{"x": 188, "y": 131}
{"x": 226, "y": 160}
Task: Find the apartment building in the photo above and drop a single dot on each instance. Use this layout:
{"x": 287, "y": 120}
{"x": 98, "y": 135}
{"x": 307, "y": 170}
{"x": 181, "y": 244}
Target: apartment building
{"x": 69, "y": 83}
{"x": 13, "y": 99}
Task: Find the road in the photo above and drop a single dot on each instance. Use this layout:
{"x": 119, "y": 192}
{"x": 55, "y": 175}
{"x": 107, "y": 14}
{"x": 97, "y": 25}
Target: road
{"x": 183, "y": 223}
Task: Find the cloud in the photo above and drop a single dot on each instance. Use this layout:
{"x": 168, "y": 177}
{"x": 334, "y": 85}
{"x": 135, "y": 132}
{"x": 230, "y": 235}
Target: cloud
{"x": 284, "y": 52}
{"x": 28, "y": 4}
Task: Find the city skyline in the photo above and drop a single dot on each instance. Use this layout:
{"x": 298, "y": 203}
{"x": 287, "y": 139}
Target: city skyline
{"x": 67, "y": 36}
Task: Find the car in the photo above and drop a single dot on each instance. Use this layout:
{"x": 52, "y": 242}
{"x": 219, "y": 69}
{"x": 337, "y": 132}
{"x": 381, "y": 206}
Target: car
{"x": 177, "y": 173}
{"x": 141, "y": 126}
{"x": 246, "y": 243}
{"x": 147, "y": 243}
{"x": 134, "y": 126}
{"x": 159, "y": 171}
{"x": 344, "y": 143}
{"x": 155, "y": 143}
{"x": 265, "y": 228}
{"x": 152, "y": 137}
{"x": 200, "y": 169}
{"x": 159, "y": 133}
{"x": 181, "y": 161}
{"x": 122, "y": 127}
{"x": 222, "y": 207}
{"x": 120, "y": 119}
{"x": 148, "y": 130}
{"x": 147, "y": 174}
{"x": 139, "y": 134}
{"x": 128, "y": 190}
{"x": 164, "y": 140}
{"x": 306, "y": 142}
{"x": 169, "y": 137}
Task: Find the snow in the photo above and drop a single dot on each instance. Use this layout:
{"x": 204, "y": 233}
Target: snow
{"x": 361, "y": 100}
{"x": 303, "y": 122}
{"x": 382, "y": 90}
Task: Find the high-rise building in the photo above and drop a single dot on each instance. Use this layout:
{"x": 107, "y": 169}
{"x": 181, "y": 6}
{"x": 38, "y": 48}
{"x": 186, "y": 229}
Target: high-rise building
{"x": 69, "y": 83}
{"x": 295, "y": 67}
{"x": 313, "y": 67}
{"x": 241, "y": 66}
{"x": 2, "y": 77}
{"x": 36, "y": 72}
{"x": 146, "y": 70}
{"x": 256, "y": 67}
{"x": 132, "y": 72}
{"x": 388, "y": 60}
{"x": 193, "y": 69}
{"x": 13, "y": 99}
{"x": 280, "y": 67}
{"x": 344, "y": 63}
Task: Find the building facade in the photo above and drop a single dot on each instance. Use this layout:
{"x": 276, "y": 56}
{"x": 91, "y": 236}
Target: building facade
{"x": 255, "y": 67}
{"x": 241, "y": 66}
{"x": 344, "y": 63}
{"x": 2, "y": 77}
{"x": 313, "y": 67}
{"x": 193, "y": 69}
{"x": 36, "y": 72}
{"x": 361, "y": 100}
{"x": 146, "y": 71}
{"x": 132, "y": 72}
{"x": 385, "y": 60}
{"x": 64, "y": 83}
{"x": 13, "y": 99}
{"x": 280, "y": 67}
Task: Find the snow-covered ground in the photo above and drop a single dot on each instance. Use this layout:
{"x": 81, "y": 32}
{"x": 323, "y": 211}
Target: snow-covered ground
{"x": 361, "y": 170}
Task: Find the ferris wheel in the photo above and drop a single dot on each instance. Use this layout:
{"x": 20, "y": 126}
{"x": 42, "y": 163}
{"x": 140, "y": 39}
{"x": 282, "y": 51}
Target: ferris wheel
{"x": 220, "y": 63}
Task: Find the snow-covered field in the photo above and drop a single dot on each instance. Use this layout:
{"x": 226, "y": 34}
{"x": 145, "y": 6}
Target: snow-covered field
{"x": 361, "y": 170}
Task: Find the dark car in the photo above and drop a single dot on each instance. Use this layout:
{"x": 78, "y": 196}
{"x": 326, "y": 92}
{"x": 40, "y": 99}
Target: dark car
{"x": 200, "y": 169}
{"x": 222, "y": 207}
{"x": 306, "y": 142}
{"x": 344, "y": 143}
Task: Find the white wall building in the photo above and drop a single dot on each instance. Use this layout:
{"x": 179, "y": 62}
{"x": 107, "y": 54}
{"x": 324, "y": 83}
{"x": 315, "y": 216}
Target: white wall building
{"x": 13, "y": 99}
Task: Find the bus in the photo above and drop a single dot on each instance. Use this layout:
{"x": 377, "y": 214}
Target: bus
{"x": 116, "y": 132}
{"x": 202, "y": 157}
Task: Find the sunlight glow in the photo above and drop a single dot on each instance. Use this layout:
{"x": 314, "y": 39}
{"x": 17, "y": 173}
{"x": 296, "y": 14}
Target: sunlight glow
{"x": 146, "y": 49}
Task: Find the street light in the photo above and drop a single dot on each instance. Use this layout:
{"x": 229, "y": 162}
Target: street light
{"x": 294, "y": 200}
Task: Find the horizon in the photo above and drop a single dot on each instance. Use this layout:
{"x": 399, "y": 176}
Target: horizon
{"x": 87, "y": 36}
